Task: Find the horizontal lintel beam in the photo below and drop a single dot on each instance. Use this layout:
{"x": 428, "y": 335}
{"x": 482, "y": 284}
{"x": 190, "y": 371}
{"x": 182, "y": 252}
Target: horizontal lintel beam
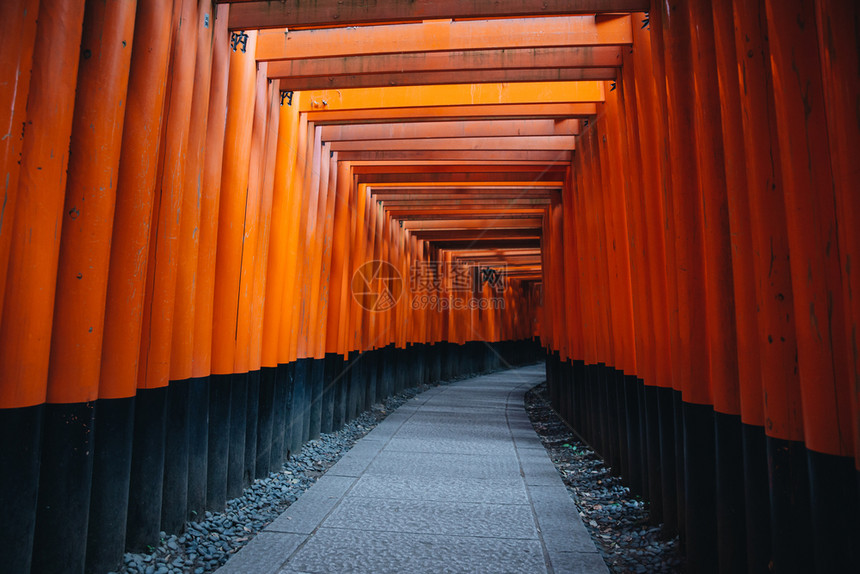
{"x": 454, "y": 113}
{"x": 246, "y": 15}
{"x": 495, "y": 59}
{"x": 536, "y": 143}
{"x": 450, "y": 77}
{"x": 563, "y": 157}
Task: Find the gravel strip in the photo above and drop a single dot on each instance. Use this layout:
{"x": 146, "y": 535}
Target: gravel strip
{"x": 616, "y": 519}
{"x": 206, "y": 545}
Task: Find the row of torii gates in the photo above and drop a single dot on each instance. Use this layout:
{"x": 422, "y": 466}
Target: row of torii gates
{"x": 227, "y": 227}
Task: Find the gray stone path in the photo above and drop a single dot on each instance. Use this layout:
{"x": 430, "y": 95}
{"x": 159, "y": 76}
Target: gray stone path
{"x": 455, "y": 480}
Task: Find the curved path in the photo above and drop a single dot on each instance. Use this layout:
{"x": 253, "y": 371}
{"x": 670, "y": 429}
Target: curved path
{"x": 455, "y": 480}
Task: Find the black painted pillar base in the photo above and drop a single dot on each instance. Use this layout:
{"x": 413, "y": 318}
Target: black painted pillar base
{"x": 756, "y": 498}
{"x": 615, "y": 386}
{"x": 642, "y": 437}
{"x": 147, "y": 469}
{"x": 299, "y": 407}
{"x": 701, "y": 487}
{"x": 289, "y": 374}
{"x": 626, "y": 443}
{"x": 652, "y": 454}
{"x": 63, "y": 505}
{"x": 399, "y": 369}
{"x": 317, "y": 384}
{"x": 666, "y": 416}
{"x": 308, "y": 400}
{"x": 680, "y": 468}
{"x": 328, "y": 394}
{"x": 21, "y": 450}
{"x": 601, "y": 434}
{"x": 791, "y": 520}
{"x": 238, "y": 430}
{"x": 174, "y": 506}
{"x": 835, "y": 512}
{"x": 365, "y": 369}
{"x": 198, "y": 446}
{"x": 265, "y": 422}
{"x": 335, "y": 373}
{"x": 353, "y": 379}
{"x": 389, "y": 372}
{"x": 252, "y": 412}
{"x": 731, "y": 526}
{"x": 279, "y": 417}
{"x": 577, "y": 379}
{"x": 219, "y": 441}
{"x": 111, "y": 472}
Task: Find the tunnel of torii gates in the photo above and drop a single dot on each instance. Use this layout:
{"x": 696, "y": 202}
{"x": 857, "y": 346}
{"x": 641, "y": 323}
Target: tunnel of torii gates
{"x": 660, "y": 201}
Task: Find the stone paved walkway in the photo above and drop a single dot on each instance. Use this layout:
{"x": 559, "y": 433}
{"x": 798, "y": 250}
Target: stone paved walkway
{"x": 455, "y": 480}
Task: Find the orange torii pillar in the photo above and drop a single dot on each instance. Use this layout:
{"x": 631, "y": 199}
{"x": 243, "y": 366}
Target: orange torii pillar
{"x": 720, "y": 306}
{"x": 695, "y": 434}
{"x": 227, "y": 420}
{"x": 260, "y": 430}
{"x": 838, "y": 20}
{"x": 335, "y": 351}
{"x": 200, "y": 223}
{"x": 245, "y": 385}
{"x": 210, "y": 201}
{"x": 302, "y": 335}
{"x": 287, "y": 338}
{"x": 657, "y": 378}
{"x": 274, "y": 354}
{"x": 743, "y": 480}
{"x": 154, "y": 405}
{"x": 820, "y": 306}
{"x": 659, "y": 208}
{"x": 78, "y": 305}
{"x": 644, "y": 264}
{"x": 33, "y": 240}
{"x": 126, "y": 285}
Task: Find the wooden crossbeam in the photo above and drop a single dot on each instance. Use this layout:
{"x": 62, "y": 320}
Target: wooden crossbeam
{"x": 444, "y": 36}
{"x": 245, "y": 15}
{"x": 495, "y": 59}
{"x": 537, "y": 143}
{"x": 540, "y": 110}
{"x": 449, "y": 77}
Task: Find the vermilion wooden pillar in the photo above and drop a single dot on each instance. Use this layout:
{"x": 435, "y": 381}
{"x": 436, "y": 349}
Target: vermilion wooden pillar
{"x": 242, "y": 467}
{"x": 185, "y": 307}
{"x": 18, "y": 42}
{"x": 741, "y": 538}
{"x": 720, "y": 310}
{"x": 788, "y": 501}
{"x": 128, "y": 261}
{"x": 262, "y": 428}
{"x": 659, "y": 400}
{"x": 697, "y": 511}
{"x": 229, "y": 437}
{"x": 33, "y": 241}
{"x": 837, "y": 27}
{"x": 671, "y": 437}
{"x": 159, "y": 456}
{"x": 217, "y": 391}
{"x": 193, "y": 34}
{"x": 816, "y": 276}
{"x": 69, "y": 448}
